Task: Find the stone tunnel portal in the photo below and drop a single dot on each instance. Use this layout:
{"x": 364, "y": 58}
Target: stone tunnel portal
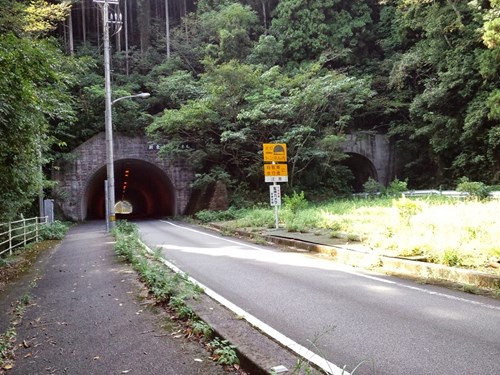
{"x": 362, "y": 169}
{"x": 145, "y": 186}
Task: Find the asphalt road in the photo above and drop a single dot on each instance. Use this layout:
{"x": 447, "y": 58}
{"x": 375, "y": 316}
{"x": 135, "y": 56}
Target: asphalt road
{"x": 348, "y": 316}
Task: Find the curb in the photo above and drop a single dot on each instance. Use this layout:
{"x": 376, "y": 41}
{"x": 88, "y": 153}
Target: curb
{"x": 258, "y": 352}
{"x": 398, "y": 266}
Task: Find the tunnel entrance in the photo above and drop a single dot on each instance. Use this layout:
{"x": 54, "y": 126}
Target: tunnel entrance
{"x": 362, "y": 169}
{"x": 144, "y": 186}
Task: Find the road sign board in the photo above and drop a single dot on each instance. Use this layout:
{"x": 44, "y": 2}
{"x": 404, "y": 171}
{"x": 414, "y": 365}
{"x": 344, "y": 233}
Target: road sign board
{"x": 276, "y": 178}
{"x": 275, "y": 152}
{"x": 275, "y": 195}
{"x": 275, "y": 170}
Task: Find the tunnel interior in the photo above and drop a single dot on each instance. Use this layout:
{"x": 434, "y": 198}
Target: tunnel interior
{"x": 362, "y": 169}
{"x": 139, "y": 184}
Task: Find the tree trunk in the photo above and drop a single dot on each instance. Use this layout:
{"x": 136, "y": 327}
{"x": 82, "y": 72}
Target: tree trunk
{"x": 84, "y": 24}
{"x": 126, "y": 38}
{"x": 97, "y": 11}
{"x": 185, "y": 23}
{"x": 70, "y": 34}
{"x": 144, "y": 17}
{"x": 264, "y": 15}
{"x": 167, "y": 28}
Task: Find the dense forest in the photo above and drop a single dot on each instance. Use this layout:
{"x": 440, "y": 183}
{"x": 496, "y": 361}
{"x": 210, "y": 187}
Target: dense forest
{"x": 226, "y": 76}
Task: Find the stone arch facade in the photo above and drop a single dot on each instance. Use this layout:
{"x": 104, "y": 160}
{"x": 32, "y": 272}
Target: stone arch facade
{"x": 74, "y": 175}
{"x": 377, "y": 149}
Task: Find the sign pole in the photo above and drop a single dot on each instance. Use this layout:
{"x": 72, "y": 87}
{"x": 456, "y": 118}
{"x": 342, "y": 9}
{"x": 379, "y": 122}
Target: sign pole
{"x": 276, "y": 212}
{"x": 106, "y": 204}
{"x": 275, "y": 172}
{"x": 276, "y": 218}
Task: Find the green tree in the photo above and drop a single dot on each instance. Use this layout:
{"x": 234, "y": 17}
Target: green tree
{"x": 35, "y": 105}
{"x": 491, "y": 28}
{"x": 445, "y": 76}
{"x": 229, "y": 29}
{"x": 244, "y": 106}
{"x": 339, "y": 29}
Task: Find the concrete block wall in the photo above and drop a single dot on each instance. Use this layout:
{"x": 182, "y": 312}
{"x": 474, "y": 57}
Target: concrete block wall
{"x": 377, "y": 149}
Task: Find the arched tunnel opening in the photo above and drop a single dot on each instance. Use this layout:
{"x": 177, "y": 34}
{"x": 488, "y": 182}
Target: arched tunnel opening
{"x": 142, "y": 187}
{"x": 362, "y": 169}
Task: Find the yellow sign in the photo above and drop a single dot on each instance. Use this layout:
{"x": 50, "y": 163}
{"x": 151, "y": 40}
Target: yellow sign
{"x": 276, "y": 170}
{"x": 275, "y": 152}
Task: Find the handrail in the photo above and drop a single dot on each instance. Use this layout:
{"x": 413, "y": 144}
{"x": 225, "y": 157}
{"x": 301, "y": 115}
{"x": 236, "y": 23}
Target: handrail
{"x": 20, "y": 232}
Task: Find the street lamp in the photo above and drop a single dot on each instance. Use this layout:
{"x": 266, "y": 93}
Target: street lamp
{"x": 110, "y": 170}
{"x": 142, "y": 95}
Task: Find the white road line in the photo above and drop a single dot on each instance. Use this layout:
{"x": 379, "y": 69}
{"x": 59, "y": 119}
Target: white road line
{"x": 375, "y": 278}
{"x": 308, "y": 355}
{"x": 211, "y": 235}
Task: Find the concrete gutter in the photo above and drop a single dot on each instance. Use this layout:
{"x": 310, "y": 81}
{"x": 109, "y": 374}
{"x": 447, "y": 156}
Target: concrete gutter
{"x": 393, "y": 265}
{"x": 399, "y": 266}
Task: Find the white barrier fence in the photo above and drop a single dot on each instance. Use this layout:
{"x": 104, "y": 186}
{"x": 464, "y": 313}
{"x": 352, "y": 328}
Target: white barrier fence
{"x": 19, "y": 233}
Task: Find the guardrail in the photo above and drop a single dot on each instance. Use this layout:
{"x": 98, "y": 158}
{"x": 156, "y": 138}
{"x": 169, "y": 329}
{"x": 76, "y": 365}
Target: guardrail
{"x": 424, "y": 193}
{"x": 19, "y": 233}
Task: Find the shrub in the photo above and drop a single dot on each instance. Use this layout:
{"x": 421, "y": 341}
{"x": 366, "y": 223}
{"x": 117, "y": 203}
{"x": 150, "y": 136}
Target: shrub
{"x": 124, "y": 227}
{"x": 295, "y": 202}
{"x": 397, "y": 187}
{"x": 300, "y": 221}
{"x": 207, "y": 216}
{"x": 475, "y": 189}
{"x": 372, "y": 187}
{"x": 407, "y": 208}
{"x": 451, "y": 257}
{"x": 53, "y": 231}
{"x": 493, "y": 188}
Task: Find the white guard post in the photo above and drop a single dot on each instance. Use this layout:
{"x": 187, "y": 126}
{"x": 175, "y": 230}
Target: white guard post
{"x": 275, "y": 198}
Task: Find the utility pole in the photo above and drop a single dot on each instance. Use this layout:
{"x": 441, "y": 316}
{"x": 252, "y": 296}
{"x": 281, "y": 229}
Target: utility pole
{"x": 167, "y": 28}
{"x": 108, "y": 120}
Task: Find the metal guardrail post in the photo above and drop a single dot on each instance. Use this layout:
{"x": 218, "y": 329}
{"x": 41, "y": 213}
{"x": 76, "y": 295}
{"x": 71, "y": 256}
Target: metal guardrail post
{"x": 10, "y": 238}
{"x": 24, "y": 232}
{"x": 13, "y": 237}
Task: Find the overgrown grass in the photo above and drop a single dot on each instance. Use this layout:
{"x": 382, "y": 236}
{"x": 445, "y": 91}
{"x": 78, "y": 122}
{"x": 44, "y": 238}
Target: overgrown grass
{"x": 165, "y": 285}
{"x": 442, "y": 230}
{"x": 53, "y": 231}
{"x": 171, "y": 288}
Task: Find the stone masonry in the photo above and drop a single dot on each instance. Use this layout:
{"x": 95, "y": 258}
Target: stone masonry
{"x": 73, "y": 177}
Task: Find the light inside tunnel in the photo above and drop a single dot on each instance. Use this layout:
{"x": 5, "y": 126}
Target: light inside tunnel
{"x": 123, "y": 208}
{"x": 142, "y": 190}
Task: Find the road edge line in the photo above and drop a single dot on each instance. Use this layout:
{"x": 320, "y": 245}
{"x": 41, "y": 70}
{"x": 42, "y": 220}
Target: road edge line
{"x": 308, "y": 355}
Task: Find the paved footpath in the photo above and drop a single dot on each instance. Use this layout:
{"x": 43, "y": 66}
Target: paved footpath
{"x": 87, "y": 317}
